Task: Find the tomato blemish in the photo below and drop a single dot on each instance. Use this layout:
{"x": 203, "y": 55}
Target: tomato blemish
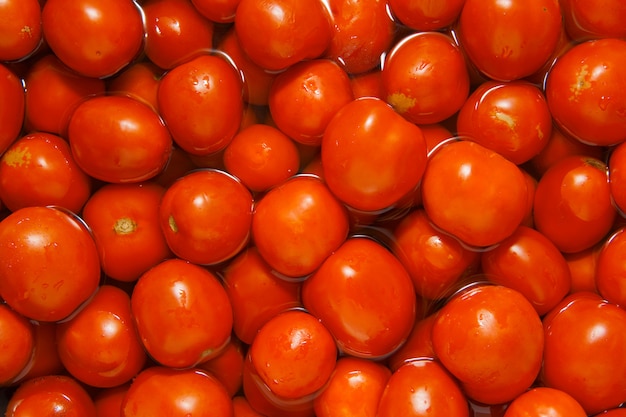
{"x": 17, "y": 157}
{"x": 401, "y": 102}
{"x": 582, "y": 83}
{"x": 124, "y": 226}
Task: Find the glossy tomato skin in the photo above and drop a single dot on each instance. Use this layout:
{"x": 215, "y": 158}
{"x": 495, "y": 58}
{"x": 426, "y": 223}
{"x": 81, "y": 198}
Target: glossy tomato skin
{"x": 610, "y": 268}
{"x": 139, "y": 80}
{"x": 417, "y": 346}
{"x": 193, "y": 320}
{"x": 585, "y": 20}
{"x": 585, "y": 91}
{"x": 424, "y": 15}
{"x": 108, "y": 401}
{"x": 11, "y": 107}
{"x": 545, "y": 401}
{"x": 219, "y": 11}
{"x": 617, "y": 176}
{"x": 45, "y": 359}
{"x": 227, "y": 367}
{"x": 51, "y": 265}
{"x": 94, "y": 38}
{"x": 20, "y": 30}
{"x": 17, "y": 354}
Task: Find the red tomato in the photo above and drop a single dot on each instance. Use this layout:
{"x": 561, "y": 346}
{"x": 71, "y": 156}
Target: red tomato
{"x": 320, "y": 87}
{"x": 585, "y": 90}
{"x": 369, "y": 84}
{"x": 124, "y": 221}
{"x": 18, "y": 343}
{"x": 96, "y": 38}
{"x": 20, "y": 31}
{"x": 372, "y": 157}
{"x": 418, "y": 345}
{"x": 425, "y": 77}
{"x": 242, "y": 407}
{"x": 206, "y": 216}
{"x": 426, "y": 15}
{"x": 276, "y": 34}
{"x": 99, "y": 346}
{"x": 573, "y": 205}
{"x": 227, "y": 367}
{"x": 545, "y": 401}
{"x": 585, "y": 337}
{"x": 45, "y": 359}
{"x": 509, "y": 40}
{"x": 219, "y": 11}
{"x": 474, "y": 193}
{"x": 139, "y": 81}
{"x": 39, "y": 170}
{"x": 582, "y": 266}
{"x": 12, "y": 98}
{"x": 610, "y": 268}
{"x": 586, "y": 20}
{"x": 201, "y": 103}
{"x": 50, "y": 263}
{"x": 512, "y": 119}
{"x": 119, "y": 139}
{"x": 422, "y": 387}
{"x": 108, "y": 401}
{"x": 617, "y": 176}
{"x": 158, "y": 391}
{"x": 614, "y": 412}
{"x": 297, "y": 225}
{"x": 490, "y": 337}
{"x": 192, "y": 320}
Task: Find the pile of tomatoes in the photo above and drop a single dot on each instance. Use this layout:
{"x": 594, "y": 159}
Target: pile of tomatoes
{"x": 298, "y": 208}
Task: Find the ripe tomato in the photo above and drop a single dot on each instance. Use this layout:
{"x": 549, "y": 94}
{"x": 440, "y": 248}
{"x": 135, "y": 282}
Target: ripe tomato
{"x": 193, "y": 320}
{"x": 610, "y": 268}
{"x": 96, "y": 38}
{"x": 369, "y": 84}
{"x": 586, "y": 20}
{"x": 242, "y": 407}
{"x": 509, "y": 40}
{"x": 582, "y": 266}
{"x": 201, "y": 103}
{"x": 545, "y": 401}
{"x": 11, "y": 107}
{"x": 160, "y": 390}
{"x": 39, "y": 170}
{"x": 20, "y": 31}
{"x": 118, "y": 139}
{"x": 585, "y": 91}
{"x": 584, "y": 338}
{"x": 45, "y": 358}
{"x": 219, "y": 11}
{"x": 474, "y": 193}
{"x": 108, "y": 401}
{"x": 425, "y": 77}
{"x": 426, "y": 15}
{"x": 227, "y": 367}
{"x": 490, "y": 337}
{"x": 417, "y": 345}
{"x": 139, "y": 81}
{"x": 50, "y": 263}
{"x": 99, "y": 346}
{"x": 617, "y": 176}
{"x": 18, "y": 343}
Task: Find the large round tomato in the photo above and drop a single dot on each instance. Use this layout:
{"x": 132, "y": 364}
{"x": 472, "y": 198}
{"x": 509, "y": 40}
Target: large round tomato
{"x": 545, "y": 401}
{"x": 594, "y": 19}
{"x": 20, "y": 31}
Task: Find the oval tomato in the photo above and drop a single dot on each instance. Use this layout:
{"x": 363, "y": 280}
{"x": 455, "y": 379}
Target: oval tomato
{"x": 220, "y": 11}
{"x": 20, "y": 32}
{"x": 16, "y": 353}
{"x": 140, "y": 81}
{"x": 425, "y": 15}
{"x": 544, "y": 400}
{"x": 586, "y": 20}
{"x": 12, "y": 101}
{"x": 610, "y": 268}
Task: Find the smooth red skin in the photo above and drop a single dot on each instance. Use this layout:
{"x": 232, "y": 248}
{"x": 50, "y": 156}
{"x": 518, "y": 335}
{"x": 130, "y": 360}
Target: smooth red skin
{"x": 617, "y": 176}
{"x": 242, "y": 407}
{"x": 20, "y": 32}
{"x": 52, "y": 93}
{"x": 573, "y": 205}
{"x": 584, "y": 90}
{"x": 491, "y": 339}
{"x": 124, "y": 221}
{"x": 118, "y": 139}
{"x": 108, "y": 401}
{"x": 362, "y": 32}
{"x": 292, "y": 356}
{"x": 95, "y": 38}
{"x": 586, "y": 20}
{"x": 609, "y": 270}
{"x": 17, "y": 354}
{"x": 219, "y": 11}
{"x": 424, "y": 15}
{"x": 175, "y": 32}
{"x": 614, "y": 412}
{"x": 193, "y": 320}
{"x": 320, "y": 87}
{"x": 512, "y": 119}
{"x": 39, "y": 170}
{"x": 462, "y": 193}
{"x": 51, "y": 265}
{"x": 99, "y": 346}
{"x": 545, "y": 401}
{"x": 206, "y": 216}
{"x": 279, "y": 33}
{"x": 11, "y": 107}
{"x": 425, "y": 77}
{"x": 418, "y": 345}
{"x": 256, "y": 293}
{"x": 160, "y": 390}
{"x": 372, "y": 166}
{"x": 369, "y": 84}
{"x": 51, "y": 395}
{"x": 297, "y": 225}
{"x": 423, "y": 387}
{"x": 206, "y": 85}
{"x": 45, "y": 359}
{"x": 584, "y": 338}
{"x": 365, "y": 298}
{"x": 355, "y": 388}
{"x": 582, "y": 267}
{"x": 227, "y": 367}
{"x": 530, "y": 263}
{"x": 526, "y": 34}
{"x": 140, "y": 81}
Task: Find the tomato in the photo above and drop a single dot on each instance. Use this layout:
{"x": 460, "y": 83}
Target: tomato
{"x": 582, "y": 266}
{"x": 219, "y": 11}
{"x": 584, "y": 336}
{"x": 206, "y": 216}
{"x": 160, "y": 390}
{"x": 20, "y": 30}
{"x": 586, "y": 20}
{"x": 545, "y": 401}
{"x": 425, "y": 15}
{"x": 11, "y": 107}
{"x": 417, "y": 345}
{"x": 99, "y": 346}
{"x": 193, "y": 321}
{"x": 227, "y": 367}
{"x": 425, "y": 77}
{"x": 124, "y": 220}
{"x": 585, "y": 92}
{"x": 371, "y": 156}
{"x": 276, "y": 34}
{"x": 512, "y": 119}
{"x": 509, "y": 40}
{"x": 18, "y": 343}
{"x": 45, "y": 358}
{"x": 118, "y": 139}
{"x": 50, "y": 263}
{"x": 474, "y": 193}
{"x": 573, "y": 205}
{"x": 201, "y": 103}
{"x": 617, "y": 176}
{"x": 614, "y": 412}
{"x": 96, "y": 38}
{"x": 610, "y": 267}
{"x": 320, "y": 87}
{"x": 242, "y": 407}
{"x": 139, "y": 81}
{"x": 39, "y": 170}
{"x": 108, "y": 401}
{"x": 369, "y": 84}
{"x": 297, "y": 225}
{"x": 490, "y": 337}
